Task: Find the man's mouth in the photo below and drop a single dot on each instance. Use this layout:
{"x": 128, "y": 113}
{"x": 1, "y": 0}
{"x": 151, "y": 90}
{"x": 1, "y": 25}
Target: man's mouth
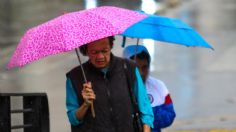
{"x": 100, "y": 62}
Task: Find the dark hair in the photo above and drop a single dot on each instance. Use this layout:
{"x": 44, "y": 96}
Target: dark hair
{"x": 141, "y": 56}
{"x": 83, "y": 49}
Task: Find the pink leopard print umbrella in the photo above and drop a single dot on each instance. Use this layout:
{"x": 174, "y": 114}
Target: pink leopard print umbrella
{"x": 71, "y": 31}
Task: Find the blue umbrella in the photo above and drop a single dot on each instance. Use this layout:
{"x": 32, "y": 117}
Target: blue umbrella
{"x": 166, "y": 30}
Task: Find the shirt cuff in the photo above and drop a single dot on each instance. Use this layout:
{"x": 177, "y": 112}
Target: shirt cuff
{"x": 73, "y": 119}
{"x": 147, "y": 120}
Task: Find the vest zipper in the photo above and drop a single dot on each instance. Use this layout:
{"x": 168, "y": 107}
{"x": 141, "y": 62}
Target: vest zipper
{"x": 108, "y": 92}
{"x": 110, "y": 103}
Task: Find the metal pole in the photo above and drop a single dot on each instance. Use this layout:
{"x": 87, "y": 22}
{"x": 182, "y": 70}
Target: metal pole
{"x": 77, "y": 53}
{"x": 136, "y": 50}
{"x": 85, "y": 79}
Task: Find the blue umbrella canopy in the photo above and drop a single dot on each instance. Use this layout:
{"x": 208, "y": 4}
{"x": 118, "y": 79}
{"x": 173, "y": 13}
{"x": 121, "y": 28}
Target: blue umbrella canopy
{"x": 166, "y": 30}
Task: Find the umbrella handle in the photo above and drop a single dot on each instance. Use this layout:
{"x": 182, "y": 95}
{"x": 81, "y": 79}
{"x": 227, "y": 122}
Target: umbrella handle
{"x": 92, "y": 110}
{"x": 123, "y": 42}
{"x": 85, "y": 80}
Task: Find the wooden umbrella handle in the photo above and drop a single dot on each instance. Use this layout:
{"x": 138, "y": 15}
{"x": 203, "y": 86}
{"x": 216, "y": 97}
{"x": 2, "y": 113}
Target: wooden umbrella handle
{"x": 92, "y": 110}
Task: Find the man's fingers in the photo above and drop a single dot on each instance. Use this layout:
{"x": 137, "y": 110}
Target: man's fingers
{"x": 88, "y": 85}
{"x": 88, "y": 95}
{"x": 88, "y": 90}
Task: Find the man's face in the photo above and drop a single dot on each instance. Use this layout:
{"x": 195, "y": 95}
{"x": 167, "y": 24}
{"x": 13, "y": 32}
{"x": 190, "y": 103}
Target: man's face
{"x": 143, "y": 67}
{"x": 99, "y": 53}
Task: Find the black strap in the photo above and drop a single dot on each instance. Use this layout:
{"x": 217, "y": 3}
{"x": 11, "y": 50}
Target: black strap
{"x": 136, "y": 117}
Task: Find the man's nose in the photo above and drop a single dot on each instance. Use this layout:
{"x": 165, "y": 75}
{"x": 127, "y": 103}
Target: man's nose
{"x": 100, "y": 55}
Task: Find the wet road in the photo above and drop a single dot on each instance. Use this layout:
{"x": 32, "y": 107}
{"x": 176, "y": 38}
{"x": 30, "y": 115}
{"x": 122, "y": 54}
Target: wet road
{"x": 201, "y": 81}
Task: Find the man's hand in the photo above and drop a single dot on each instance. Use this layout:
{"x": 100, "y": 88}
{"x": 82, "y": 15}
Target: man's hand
{"x": 88, "y": 93}
{"x": 88, "y": 96}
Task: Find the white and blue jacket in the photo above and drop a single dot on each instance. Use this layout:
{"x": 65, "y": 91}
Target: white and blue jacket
{"x": 161, "y": 103}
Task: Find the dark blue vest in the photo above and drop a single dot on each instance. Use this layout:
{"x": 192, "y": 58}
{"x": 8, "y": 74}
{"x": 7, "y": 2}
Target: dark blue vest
{"x": 112, "y": 106}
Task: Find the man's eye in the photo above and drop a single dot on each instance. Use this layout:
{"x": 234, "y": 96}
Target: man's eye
{"x": 94, "y": 52}
{"x": 105, "y": 51}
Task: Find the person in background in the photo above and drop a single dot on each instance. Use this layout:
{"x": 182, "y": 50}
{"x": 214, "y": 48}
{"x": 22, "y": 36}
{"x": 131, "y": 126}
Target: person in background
{"x": 160, "y": 99}
{"x": 107, "y": 91}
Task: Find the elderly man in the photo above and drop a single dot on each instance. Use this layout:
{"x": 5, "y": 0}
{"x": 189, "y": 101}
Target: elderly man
{"x": 107, "y": 88}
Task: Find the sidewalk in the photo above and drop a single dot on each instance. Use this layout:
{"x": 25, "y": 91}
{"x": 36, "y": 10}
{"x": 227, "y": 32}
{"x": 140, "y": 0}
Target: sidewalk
{"x": 210, "y": 130}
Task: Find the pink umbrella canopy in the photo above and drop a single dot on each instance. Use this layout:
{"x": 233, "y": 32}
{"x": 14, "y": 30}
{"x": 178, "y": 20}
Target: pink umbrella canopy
{"x": 71, "y": 31}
